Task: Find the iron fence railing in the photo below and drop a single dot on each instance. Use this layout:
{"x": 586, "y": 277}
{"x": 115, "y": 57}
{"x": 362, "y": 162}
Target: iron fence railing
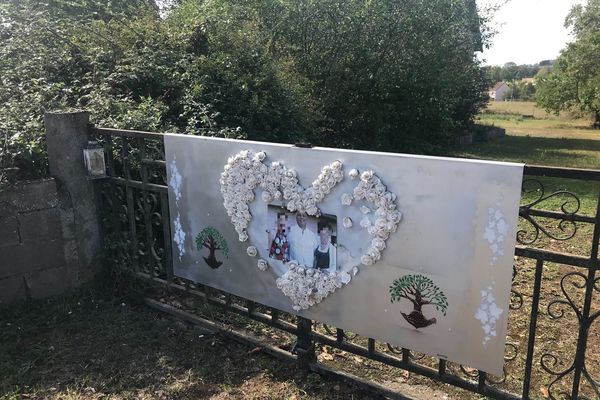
{"x": 552, "y": 349}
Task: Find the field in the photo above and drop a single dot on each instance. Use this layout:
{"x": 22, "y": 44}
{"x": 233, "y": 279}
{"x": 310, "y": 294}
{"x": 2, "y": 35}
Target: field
{"x": 547, "y": 139}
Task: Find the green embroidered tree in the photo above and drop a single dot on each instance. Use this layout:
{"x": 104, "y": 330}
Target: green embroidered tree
{"x": 420, "y": 291}
{"x": 213, "y": 241}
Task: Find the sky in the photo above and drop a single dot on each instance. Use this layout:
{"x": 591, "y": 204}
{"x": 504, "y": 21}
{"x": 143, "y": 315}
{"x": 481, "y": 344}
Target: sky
{"x": 529, "y": 31}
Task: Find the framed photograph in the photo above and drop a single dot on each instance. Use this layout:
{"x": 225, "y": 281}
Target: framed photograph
{"x": 309, "y": 241}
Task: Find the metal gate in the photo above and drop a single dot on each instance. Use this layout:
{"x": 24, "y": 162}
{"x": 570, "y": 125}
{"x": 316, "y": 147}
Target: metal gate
{"x": 553, "y": 346}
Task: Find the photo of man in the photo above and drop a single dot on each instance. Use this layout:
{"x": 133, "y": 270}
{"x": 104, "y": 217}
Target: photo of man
{"x": 303, "y": 241}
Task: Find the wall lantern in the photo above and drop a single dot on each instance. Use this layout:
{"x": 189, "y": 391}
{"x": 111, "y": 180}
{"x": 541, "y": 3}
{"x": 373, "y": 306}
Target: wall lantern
{"x": 93, "y": 156}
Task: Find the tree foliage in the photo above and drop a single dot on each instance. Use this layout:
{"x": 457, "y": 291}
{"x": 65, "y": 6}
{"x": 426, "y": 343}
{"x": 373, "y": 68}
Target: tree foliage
{"x": 513, "y": 72}
{"x": 420, "y": 290}
{"x": 382, "y": 75}
{"x": 574, "y": 83}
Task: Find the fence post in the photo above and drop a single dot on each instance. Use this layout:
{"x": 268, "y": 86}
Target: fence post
{"x": 304, "y": 348}
{"x": 67, "y": 134}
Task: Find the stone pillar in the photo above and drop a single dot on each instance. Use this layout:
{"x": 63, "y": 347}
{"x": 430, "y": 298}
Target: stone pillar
{"x": 67, "y": 134}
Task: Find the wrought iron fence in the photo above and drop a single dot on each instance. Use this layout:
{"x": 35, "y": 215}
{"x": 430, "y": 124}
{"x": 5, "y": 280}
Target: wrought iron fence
{"x": 552, "y": 349}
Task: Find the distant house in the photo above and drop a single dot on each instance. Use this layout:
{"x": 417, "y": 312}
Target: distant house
{"x": 498, "y": 91}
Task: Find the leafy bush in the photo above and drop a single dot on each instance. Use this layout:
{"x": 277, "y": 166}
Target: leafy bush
{"x": 382, "y": 75}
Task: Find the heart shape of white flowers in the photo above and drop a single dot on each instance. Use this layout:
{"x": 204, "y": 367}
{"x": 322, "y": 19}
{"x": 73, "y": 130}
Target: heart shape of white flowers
{"x": 303, "y": 285}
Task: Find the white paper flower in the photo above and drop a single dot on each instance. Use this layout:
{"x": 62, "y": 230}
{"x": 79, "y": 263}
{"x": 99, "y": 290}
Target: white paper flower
{"x": 378, "y": 243}
{"x": 380, "y": 188}
{"x": 365, "y": 222}
{"x": 394, "y": 216}
{"x": 366, "y": 176}
{"x": 366, "y": 260}
{"x": 347, "y": 222}
{"x": 312, "y": 211}
{"x": 346, "y": 199}
{"x": 345, "y": 277}
{"x": 353, "y": 174}
{"x": 252, "y": 251}
{"x": 262, "y": 265}
{"x": 374, "y": 254}
{"x": 267, "y": 197}
{"x": 365, "y": 209}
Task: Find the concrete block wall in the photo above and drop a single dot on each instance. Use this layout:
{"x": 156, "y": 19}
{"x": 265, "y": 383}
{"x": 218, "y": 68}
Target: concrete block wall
{"x": 50, "y": 236}
{"x": 38, "y": 255}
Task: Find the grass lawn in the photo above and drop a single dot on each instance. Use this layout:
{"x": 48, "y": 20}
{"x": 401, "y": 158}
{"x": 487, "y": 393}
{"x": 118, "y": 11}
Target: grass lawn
{"x": 547, "y": 139}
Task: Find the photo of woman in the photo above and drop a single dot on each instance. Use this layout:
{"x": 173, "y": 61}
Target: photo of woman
{"x": 325, "y": 252}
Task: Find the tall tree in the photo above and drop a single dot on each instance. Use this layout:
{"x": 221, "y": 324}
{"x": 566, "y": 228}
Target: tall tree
{"x": 574, "y": 82}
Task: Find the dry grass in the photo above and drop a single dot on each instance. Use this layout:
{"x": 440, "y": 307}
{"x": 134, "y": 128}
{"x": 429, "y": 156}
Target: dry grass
{"x": 520, "y": 108}
{"x": 93, "y": 346}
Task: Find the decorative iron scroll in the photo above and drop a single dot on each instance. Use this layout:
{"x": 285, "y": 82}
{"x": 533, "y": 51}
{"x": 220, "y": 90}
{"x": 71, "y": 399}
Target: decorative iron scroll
{"x": 556, "y": 310}
{"x": 406, "y": 353}
{"x": 346, "y": 335}
{"x": 516, "y": 297}
{"x": 566, "y": 224}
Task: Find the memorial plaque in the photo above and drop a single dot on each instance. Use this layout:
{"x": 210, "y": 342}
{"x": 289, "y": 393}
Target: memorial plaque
{"x": 412, "y": 250}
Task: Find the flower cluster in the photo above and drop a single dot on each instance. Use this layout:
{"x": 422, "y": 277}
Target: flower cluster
{"x": 307, "y": 286}
{"x": 306, "y": 200}
{"x": 373, "y": 191}
{"x": 246, "y": 170}
{"x": 241, "y": 175}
